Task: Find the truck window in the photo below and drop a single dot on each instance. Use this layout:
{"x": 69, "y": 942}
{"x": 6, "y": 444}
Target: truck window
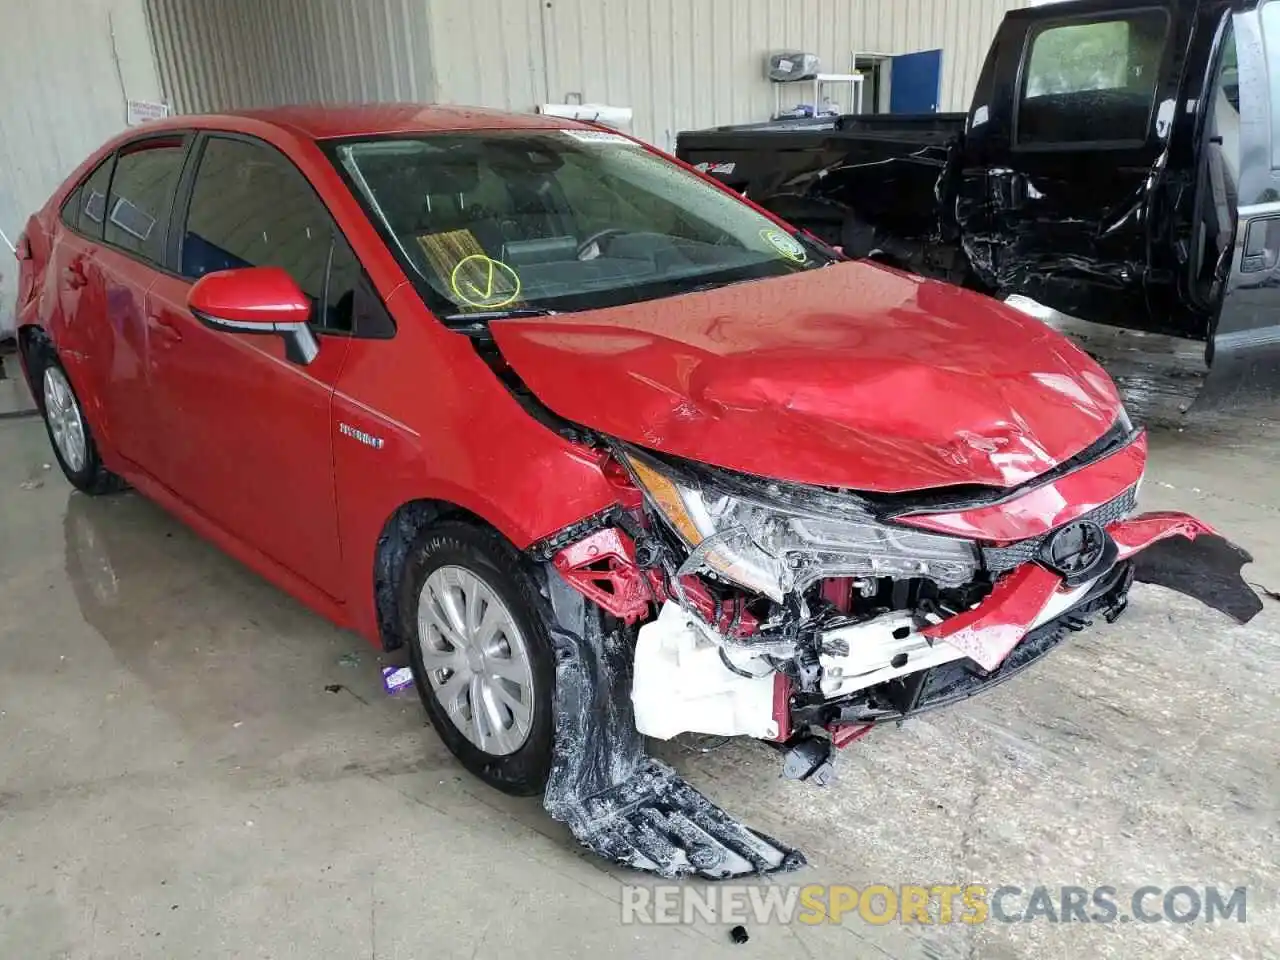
{"x": 1271, "y": 41}
{"x": 1091, "y": 82}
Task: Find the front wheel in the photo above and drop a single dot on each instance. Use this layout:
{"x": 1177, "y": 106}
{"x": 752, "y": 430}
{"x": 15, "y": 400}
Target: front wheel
{"x": 481, "y": 654}
{"x": 69, "y": 433}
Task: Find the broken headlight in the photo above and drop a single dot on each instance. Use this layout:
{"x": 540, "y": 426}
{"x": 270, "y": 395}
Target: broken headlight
{"x": 761, "y": 538}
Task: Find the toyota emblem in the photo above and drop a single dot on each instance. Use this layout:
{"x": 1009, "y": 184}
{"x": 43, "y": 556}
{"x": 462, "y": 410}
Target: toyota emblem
{"x": 1078, "y": 551}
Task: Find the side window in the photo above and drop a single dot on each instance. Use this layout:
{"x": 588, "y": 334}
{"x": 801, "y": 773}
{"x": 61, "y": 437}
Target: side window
{"x": 93, "y": 199}
{"x": 69, "y": 212}
{"x": 86, "y": 208}
{"x": 1091, "y": 82}
{"x": 141, "y": 194}
{"x": 251, "y": 207}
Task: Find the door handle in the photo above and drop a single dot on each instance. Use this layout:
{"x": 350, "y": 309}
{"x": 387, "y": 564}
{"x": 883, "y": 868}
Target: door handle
{"x": 1261, "y": 245}
{"x": 76, "y": 277}
{"x": 166, "y": 328}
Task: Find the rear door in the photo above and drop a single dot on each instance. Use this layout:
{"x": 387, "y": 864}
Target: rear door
{"x": 75, "y": 276}
{"x": 1246, "y": 338}
{"x": 1065, "y": 139}
{"x": 129, "y": 260}
{"x": 247, "y": 434}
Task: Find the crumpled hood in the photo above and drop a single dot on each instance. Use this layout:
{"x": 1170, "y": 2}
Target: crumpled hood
{"x": 853, "y": 375}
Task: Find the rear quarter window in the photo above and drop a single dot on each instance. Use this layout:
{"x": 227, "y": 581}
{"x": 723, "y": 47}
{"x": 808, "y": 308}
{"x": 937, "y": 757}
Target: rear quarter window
{"x": 70, "y": 210}
{"x": 85, "y": 209}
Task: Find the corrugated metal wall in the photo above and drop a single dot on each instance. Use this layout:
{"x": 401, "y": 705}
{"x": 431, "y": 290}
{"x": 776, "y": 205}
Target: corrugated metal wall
{"x": 677, "y": 63}
{"x": 682, "y": 64}
{"x": 225, "y": 54}
{"x": 489, "y": 52}
{"x": 67, "y": 68}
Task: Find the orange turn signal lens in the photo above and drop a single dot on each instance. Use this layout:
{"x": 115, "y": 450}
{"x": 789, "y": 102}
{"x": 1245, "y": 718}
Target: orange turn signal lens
{"x": 666, "y": 496}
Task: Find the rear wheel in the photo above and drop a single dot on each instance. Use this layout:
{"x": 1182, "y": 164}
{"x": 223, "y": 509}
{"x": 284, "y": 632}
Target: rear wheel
{"x": 69, "y": 432}
{"x": 481, "y": 654}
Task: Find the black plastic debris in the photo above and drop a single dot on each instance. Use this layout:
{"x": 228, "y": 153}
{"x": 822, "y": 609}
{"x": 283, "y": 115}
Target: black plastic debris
{"x": 810, "y": 759}
{"x": 739, "y": 934}
{"x": 1206, "y": 569}
{"x": 620, "y": 803}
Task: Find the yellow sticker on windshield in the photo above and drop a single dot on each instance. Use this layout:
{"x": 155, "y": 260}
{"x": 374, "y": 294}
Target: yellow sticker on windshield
{"x": 786, "y": 246}
{"x": 484, "y": 283}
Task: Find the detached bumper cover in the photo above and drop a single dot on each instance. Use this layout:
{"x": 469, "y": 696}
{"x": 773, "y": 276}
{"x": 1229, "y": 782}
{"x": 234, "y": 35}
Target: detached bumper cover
{"x": 1206, "y": 568}
{"x": 618, "y": 802}
{"x": 1172, "y": 550}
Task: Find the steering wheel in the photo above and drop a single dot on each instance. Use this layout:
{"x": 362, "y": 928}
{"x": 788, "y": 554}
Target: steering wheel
{"x": 595, "y": 238}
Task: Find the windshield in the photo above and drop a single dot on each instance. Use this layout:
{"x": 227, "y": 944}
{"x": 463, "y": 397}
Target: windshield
{"x": 505, "y": 221}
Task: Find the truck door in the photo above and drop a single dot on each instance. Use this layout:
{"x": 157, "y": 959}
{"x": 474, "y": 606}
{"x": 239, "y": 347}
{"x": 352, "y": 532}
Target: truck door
{"x": 1065, "y": 145}
{"x": 1245, "y": 346}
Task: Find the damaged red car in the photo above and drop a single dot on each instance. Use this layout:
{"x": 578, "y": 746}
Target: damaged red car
{"x": 612, "y": 452}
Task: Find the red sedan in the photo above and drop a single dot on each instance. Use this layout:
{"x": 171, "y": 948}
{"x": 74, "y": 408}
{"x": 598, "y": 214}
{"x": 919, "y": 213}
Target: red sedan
{"x": 610, "y": 450}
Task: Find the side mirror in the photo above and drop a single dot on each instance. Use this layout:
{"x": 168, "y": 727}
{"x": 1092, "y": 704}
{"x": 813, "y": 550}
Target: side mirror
{"x": 257, "y": 300}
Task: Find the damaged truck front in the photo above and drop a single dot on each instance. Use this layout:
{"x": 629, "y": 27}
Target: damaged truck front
{"x": 792, "y": 595}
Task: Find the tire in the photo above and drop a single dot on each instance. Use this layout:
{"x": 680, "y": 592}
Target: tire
{"x": 69, "y": 432}
{"x": 509, "y": 669}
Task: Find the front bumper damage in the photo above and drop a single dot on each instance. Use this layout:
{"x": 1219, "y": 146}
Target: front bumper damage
{"x": 708, "y": 663}
{"x": 618, "y": 802}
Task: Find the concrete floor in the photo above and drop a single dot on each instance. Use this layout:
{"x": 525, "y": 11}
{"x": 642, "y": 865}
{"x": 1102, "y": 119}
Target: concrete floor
{"x": 175, "y": 781}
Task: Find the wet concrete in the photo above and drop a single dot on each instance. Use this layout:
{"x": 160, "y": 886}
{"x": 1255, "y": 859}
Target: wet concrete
{"x": 176, "y": 781}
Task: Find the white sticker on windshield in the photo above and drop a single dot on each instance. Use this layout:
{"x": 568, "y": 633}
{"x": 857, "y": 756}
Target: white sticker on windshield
{"x": 598, "y": 136}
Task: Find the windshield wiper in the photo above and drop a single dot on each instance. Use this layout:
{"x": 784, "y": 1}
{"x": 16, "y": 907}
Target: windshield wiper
{"x": 716, "y": 284}
{"x": 476, "y": 319}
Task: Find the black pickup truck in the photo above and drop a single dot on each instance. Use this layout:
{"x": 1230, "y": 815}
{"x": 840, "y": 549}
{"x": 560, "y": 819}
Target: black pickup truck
{"x": 1117, "y": 174}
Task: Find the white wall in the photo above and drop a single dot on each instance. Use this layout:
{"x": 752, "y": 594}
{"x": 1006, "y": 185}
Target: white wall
{"x": 227, "y": 54}
{"x": 66, "y": 69}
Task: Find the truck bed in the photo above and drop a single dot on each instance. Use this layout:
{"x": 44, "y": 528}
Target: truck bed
{"x": 891, "y": 134}
{"x": 893, "y": 157}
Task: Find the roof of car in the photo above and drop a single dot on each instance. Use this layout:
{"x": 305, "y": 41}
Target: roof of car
{"x": 322, "y": 121}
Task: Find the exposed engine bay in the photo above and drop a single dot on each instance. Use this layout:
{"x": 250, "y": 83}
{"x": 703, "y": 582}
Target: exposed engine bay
{"x": 734, "y": 605}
